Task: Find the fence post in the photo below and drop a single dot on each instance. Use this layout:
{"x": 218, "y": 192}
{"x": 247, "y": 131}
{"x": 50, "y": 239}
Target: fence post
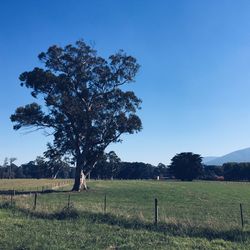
{"x": 105, "y": 203}
{"x": 35, "y": 198}
{"x": 156, "y": 211}
{"x": 12, "y": 196}
{"x": 241, "y": 216}
{"x": 68, "y": 201}
{"x": 11, "y": 199}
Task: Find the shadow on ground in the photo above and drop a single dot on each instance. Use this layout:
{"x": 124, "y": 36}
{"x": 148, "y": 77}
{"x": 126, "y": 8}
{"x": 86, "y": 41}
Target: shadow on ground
{"x": 168, "y": 228}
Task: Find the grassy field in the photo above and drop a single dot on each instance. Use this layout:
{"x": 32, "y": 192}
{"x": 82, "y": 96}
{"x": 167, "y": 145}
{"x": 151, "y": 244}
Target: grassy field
{"x": 192, "y": 215}
{"x": 32, "y": 184}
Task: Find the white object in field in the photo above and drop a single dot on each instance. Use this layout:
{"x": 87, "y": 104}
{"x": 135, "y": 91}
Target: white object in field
{"x": 158, "y": 178}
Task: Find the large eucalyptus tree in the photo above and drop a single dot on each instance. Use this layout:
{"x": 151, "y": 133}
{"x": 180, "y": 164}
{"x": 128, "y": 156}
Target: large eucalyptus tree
{"x": 79, "y": 96}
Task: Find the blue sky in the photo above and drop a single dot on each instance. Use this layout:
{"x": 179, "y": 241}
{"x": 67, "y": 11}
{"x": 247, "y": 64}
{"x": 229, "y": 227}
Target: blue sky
{"x": 194, "y": 79}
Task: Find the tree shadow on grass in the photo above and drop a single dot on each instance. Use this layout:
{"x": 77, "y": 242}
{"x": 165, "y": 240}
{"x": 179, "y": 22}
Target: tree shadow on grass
{"x": 68, "y": 212}
{"x": 167, "y": 228}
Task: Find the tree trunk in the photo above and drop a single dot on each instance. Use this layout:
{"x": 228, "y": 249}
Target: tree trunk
{"x": 83, "y": 183}
{"x": 80, "y": 180}
{"x": 55, "y": 175}
{"x": 77, "y": 186}
{"x": 80, "y": 177}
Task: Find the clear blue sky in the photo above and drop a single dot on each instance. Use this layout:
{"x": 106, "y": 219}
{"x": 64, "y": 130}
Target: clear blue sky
{"x": 194, "y": 79}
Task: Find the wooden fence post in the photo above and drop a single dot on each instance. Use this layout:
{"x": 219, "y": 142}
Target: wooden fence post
{"x": 156, "y": 211}
{"x": 68, "y": 201}
{"x": 35, "y": 198}
{"x": 105, "y": 203}
{"x": 241, "y": 216}
{"x": 11, "y": 199}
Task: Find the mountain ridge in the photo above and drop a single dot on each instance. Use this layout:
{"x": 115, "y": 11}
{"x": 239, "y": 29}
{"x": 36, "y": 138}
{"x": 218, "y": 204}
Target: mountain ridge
{"x": 241, "y": 155}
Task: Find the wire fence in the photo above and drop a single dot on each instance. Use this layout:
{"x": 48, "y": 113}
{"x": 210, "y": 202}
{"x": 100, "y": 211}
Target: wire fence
{"x": 207, "y": 214}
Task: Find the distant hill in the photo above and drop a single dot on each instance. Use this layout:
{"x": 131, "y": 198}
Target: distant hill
{"x": 242, "y": 155}
{"x": 208, "y": 159}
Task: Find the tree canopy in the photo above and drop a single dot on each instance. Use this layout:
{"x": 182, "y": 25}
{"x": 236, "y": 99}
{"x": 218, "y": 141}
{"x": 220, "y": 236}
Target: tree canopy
{"x": 186, "y": 166}
{"x": 80, "y": 98}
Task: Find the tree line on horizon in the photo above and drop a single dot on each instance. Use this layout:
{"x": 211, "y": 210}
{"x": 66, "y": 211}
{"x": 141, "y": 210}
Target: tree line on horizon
{"x": 184, "y": 166}
{"x": 109, "y": 167}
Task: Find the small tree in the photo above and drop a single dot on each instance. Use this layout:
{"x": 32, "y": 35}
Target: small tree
{"x": 9, "y": 167}
{"x": 186, "y": 166}
{"x": 55, "y": 162}
{"x": 83, "y": 102}
{"x": 108, "y": 166}
{"x": 114, "y": 163}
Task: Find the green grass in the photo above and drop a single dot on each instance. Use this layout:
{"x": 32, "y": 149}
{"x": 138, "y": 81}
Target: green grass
{"x": 192, "y": 215}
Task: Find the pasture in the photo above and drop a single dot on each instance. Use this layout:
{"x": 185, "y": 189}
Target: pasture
{"x": 192, "y": 215}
